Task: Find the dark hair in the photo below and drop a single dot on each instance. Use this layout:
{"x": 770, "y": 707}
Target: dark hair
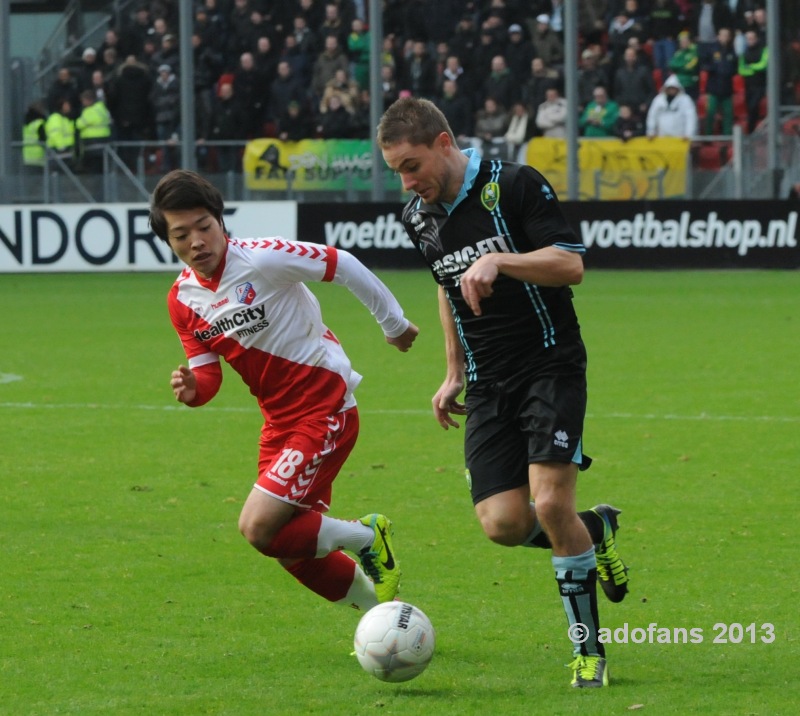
{"x": 181, "y": 190}
{"x": 412, "y": 120}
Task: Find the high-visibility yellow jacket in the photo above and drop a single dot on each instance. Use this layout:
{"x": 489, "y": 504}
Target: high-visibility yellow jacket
{"x": 32, "y": 149}
{"x": 60, "y": 132}
{"x": 94, "y": 122}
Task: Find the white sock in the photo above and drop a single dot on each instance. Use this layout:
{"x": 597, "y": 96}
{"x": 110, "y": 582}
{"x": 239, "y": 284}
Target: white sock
{"x": 361, "y": 594}
{"x": 337, "y": 535}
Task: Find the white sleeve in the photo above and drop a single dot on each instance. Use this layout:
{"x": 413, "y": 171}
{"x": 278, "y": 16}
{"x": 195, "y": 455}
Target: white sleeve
{"x": 372, "y": 292}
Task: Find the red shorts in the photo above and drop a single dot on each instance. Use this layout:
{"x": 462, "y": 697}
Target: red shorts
{"x": 299, "y": 465}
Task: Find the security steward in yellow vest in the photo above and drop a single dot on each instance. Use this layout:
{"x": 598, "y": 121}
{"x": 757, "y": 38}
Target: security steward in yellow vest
{"x": 59, "y": 129}
{"x": 33, "y": 138}
{"x": 94, "y": 129}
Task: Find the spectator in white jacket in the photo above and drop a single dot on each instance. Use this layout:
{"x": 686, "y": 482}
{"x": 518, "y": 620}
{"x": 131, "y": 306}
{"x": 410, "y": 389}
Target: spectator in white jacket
{"x": 672, "y": 112}
{"x": 551, "y": 116}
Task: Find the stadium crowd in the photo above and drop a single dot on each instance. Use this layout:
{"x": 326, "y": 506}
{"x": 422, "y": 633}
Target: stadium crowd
{"x": 296, "y": 69}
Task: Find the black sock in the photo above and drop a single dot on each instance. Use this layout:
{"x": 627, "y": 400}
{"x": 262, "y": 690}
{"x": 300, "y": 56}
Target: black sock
{"x": 594, "y": 524}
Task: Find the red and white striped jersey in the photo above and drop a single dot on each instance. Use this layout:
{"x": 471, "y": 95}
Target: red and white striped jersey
{"x": 257, "y": 314}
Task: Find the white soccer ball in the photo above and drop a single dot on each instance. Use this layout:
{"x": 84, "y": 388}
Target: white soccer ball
{"x": 394, "y": 641}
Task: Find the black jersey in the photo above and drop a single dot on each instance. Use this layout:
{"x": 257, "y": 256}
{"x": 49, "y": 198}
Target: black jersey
{"x": 502, "y": 207}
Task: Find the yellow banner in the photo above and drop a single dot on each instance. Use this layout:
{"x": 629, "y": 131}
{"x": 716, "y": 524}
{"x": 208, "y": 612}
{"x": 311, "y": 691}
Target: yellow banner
{"x": 311, "y": 165}
{"x": 641, "y": 168}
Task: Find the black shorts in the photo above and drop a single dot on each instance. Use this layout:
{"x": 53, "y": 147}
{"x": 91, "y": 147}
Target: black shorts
{"x": 511, "y": 425}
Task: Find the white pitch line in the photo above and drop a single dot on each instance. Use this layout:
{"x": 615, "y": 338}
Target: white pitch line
{"x": 703, "y": 417}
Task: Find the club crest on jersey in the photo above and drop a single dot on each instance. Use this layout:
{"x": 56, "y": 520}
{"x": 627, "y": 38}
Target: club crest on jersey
{"x": 490, "y": 195}
{"x": 245, "y": 293}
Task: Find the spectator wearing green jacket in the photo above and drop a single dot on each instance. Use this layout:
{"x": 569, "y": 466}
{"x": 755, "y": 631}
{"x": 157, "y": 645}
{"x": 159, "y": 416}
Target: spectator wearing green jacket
{"x": 753, "y": 67}
{"x": 685, "y": 65}
{"x": 600, "y": 115}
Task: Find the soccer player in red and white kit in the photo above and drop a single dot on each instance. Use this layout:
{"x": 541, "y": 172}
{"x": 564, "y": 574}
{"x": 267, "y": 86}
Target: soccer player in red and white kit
{"x": 246, "y": 301}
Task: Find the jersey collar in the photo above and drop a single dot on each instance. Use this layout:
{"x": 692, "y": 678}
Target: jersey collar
{"x": 469, "y": 178}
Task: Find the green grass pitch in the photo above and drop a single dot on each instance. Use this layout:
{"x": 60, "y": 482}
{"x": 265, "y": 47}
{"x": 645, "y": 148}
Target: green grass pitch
{"x": 125, "y": 587}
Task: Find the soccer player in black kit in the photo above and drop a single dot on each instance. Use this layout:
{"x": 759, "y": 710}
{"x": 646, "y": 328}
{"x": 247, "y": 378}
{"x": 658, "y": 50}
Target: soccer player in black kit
{"x": 504, "y": 258}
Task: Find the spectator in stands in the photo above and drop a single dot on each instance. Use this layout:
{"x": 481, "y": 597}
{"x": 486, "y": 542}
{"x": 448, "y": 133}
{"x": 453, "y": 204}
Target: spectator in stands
{"x": 239, "y": 27}
{"x": 457, "y": 109}
{"x": 299, "y": 60}
{"x": 491, "y": 122}
{"x": 642, "y": 54}
{"x": 285, "y": 89}
{"x": 109, "y": 62}
{"x": 335, "y": 24}
{"x": 133, "y": 34}
{"x": 217, "y": 14}
{"x": 633, "y": 83}
{"x": 753, "y": 67}
{"x": 590, "y": 75}
{"x": 59, "y": 129}
{"x": 295, "y": 124}
{"x": 628, "y": 124}
{"x": 454, "y": 70}
{"x": 228, "y": 120}
{"x": 89, "y": 63}
{"x": 420, "y": 72}
{"x": 265, "y": 61}
{"x": 157, "y": 32}
{"x": 480, "y": 64}
{"x": 551, "y": 116}
{"x": 464, "y": 41}
{"x": 314, "y": 13}
{"x": 519, "y": 53}
{"x": 540, "y": 80}
{"x": 111, "y": 40}
{"x": 664, "y": 26}
{"x": 389, "y": 86}
{"x": 334, "y": 122}
{"x": 592, "y": 22}
{"x": 208, "y": 63}
{"x": 93, "y": 132}
{"x": 358, "y": 42}
{"x": 165, "y": 97}
{"x": 346, "y": 87}
{"x": 362, "y": 117}
{"x": 129, "y": 103}
{"x": 501, "y": 85}
{"x": 258, "y": 27}
{"x": 332, "y": 58}
{"x": 168, "y": 54}
{"x": 622, "y": 28}
{"x": 685, "y": 65}
{"x": 708, "y": 18}
{"x": 251, "y": 96}
{"x": 34, "y": 137}
{"x": 305, "y": 38}
{"x": 64, "y": 87}
{"x": 149, "y": 55}
{"x": 599, "y": 116}
{"x": 722, "y": 65}
{"x": 672, "y": 112}
{"x": 546, "y": 43}
{"x": 99, "y": 86}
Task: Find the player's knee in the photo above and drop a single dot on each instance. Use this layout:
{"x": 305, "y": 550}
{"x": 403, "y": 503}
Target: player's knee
{"x": 552, "y": 512}
{"x": 502, "y": 530}
{"x": 256, "y": 532}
